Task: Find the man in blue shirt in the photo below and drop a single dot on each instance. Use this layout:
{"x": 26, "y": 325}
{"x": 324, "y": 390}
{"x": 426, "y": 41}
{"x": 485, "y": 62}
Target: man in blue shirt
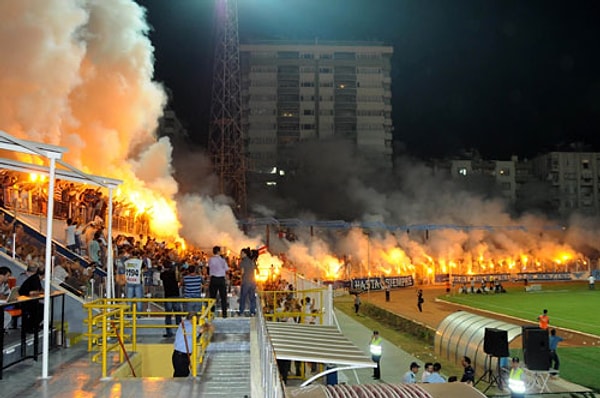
{"x": 411, "y": 376}
{"x": 182, "y": 348}
{"x": 552, "y": 345}
{"x": 436, "y": 377}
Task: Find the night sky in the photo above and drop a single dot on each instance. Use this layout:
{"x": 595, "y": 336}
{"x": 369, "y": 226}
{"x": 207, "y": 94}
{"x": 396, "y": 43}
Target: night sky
{"x": 500, "y": 76}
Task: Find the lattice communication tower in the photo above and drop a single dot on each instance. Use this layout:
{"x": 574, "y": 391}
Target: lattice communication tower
{"x": 226, "y": 137}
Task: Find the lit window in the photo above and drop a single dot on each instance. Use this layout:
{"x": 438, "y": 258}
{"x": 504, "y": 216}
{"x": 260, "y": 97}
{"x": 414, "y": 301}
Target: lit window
{"x": 462, "y": 171}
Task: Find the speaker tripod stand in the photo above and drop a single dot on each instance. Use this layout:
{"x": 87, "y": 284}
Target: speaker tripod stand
{"x": 489, "y": 377}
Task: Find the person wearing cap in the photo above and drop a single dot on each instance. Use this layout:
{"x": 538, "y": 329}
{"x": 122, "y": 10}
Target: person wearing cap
{"x": 469, "y": 373}
{"x": 516, "y": 379}
{"x": 375, "y": 348}
{"x": 411, "y": 376}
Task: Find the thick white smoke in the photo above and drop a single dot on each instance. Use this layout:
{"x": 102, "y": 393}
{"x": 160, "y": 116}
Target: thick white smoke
{"x": 79, "y": 74}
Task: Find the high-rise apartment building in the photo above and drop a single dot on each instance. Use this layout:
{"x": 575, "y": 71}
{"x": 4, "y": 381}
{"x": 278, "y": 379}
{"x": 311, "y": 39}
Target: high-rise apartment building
{"x": 295, "y": 91}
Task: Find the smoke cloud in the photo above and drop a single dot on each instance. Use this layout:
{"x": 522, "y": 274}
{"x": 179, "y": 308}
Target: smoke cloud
{"x": 79, "y": 74}
{"x": 435, "y": 224}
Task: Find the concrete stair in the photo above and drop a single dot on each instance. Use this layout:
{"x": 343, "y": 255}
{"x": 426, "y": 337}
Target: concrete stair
{"x": 226, "y": 372}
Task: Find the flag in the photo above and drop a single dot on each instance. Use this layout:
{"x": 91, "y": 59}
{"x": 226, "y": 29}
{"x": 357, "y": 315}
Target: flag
{"x": 262, "y": 249}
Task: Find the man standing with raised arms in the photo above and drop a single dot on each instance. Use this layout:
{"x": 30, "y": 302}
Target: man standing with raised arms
{"x": 248, "y": 290}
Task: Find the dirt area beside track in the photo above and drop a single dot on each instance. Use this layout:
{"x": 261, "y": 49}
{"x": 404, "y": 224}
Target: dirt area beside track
{"x": 404, "y": 302}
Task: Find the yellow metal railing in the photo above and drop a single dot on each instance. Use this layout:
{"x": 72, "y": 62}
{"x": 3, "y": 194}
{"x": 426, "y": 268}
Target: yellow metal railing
{"x": 272, "y": 310}
{"x": 112, "y": 325}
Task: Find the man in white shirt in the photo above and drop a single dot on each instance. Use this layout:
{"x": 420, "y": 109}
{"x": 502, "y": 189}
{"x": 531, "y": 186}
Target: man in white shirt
{"x": 59, "y": 273}
{"x": 134, "y": 287}
{"x": 70, "y": 241}
{"x": 217, "y": 269}
{"x": 427, "y": 371}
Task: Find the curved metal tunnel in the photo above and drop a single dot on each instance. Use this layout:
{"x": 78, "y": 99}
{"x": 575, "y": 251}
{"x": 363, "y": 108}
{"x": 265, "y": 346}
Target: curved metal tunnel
{"x": 463, "y": 333}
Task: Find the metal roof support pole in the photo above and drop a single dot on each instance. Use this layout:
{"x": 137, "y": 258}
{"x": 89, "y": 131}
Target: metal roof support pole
{"x": 329, "y": 306}
{"x": 110, "y": 281}
{"x": 48, "y": 262}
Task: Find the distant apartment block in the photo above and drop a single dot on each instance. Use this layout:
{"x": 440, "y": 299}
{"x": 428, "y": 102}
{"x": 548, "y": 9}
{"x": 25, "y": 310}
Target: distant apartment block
{"x": 499, "y": 175}
{"x": 293, "y": 92}
{"x": 574, "y": 178}
{"x": 558, "y": 183}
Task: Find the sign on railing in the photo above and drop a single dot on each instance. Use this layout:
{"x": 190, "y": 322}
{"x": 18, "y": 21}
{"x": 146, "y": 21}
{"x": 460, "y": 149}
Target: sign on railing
{"x": 364, "y": 284}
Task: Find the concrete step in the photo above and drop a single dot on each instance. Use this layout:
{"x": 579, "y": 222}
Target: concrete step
{"x": 226, "y": 374}
{"x": 229, "y": 342}
{"x": 227, "y": 369}
{"x": 231, "y": 325}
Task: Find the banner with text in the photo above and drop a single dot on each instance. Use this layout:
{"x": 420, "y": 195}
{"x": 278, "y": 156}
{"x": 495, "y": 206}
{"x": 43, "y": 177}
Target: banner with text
{"x": 364, "y": 284}
{"x": 530, "y": 276}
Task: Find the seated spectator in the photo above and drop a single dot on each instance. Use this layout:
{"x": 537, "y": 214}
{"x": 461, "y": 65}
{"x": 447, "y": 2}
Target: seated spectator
{"x": 469, "y": 373}
{"x": 32, "y": 286}
{"x": 6, "y": 228}
{"x": 59, "y": 273}
{"x": 5, "y": 273}
{"x": 77, "y": 278}
{"x": 32, "y": 312}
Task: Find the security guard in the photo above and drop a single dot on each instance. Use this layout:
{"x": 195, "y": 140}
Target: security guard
{"x": 375, "y": 347}
{"x": 516, "y": 379}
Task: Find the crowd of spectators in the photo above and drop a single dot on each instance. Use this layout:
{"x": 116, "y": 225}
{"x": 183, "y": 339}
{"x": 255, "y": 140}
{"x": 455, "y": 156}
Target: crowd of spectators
{"x": 84, "y": 210}
{"x": 79, "y": 202}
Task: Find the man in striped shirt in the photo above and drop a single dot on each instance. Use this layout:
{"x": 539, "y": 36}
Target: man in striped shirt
{"x": 192, "y": 288}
